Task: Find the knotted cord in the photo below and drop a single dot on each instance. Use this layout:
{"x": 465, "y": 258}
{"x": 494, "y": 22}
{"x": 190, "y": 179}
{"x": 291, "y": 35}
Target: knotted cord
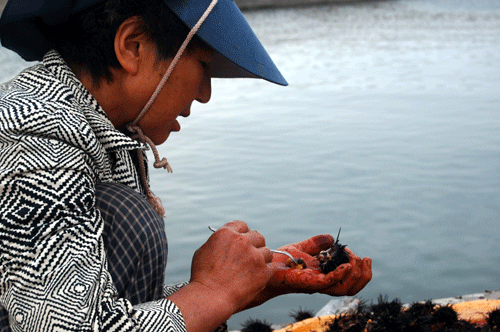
{"x": 137, "y": 133}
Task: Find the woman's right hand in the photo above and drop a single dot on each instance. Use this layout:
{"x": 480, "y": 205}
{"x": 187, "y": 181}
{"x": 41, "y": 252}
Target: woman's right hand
{"x": 234, "y": 262}
{"x": 227, "y": 274}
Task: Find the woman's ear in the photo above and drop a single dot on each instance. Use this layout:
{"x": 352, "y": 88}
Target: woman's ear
{"x": 129, "y": 45}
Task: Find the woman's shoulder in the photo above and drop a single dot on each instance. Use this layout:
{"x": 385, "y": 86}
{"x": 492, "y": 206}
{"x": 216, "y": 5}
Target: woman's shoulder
{"x": 32, "y": 89}
{"x": 35, "y": 102}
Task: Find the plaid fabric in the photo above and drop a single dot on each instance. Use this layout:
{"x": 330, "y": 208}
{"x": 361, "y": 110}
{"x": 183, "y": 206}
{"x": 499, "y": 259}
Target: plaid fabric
{"x": 4, "y": 320}
{"x": 135, "y": 242}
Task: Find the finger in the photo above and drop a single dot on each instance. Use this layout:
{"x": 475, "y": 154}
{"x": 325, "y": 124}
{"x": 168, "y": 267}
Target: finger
{"x": 366, "y": 273}
{"x": 361, "y": 276}
{"x": 256, "y": 239}
{"x": 335, "y": 280}
{"x": 318, "y": 280}
{"x": 351, "y": 254}
{"x": 339, "y": 282}
{"x": 237, "y": 226}
{"x": 317, "y": 243}
{"x": 267, "y": 254}
{"x": 339, "y": 274}
{"x": 354, "y": 259}
{"x": 356, "y": 272}
{"x": 368, "y": 261}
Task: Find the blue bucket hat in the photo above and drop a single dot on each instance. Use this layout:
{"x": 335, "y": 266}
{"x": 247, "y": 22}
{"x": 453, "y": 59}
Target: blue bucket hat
{"x": 239, "y": 52}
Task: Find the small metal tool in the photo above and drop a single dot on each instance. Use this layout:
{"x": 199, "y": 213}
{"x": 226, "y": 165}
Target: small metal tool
{"x": 274, "y": 251}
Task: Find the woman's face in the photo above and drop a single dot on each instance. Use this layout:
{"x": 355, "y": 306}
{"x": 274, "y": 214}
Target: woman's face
{"x": 190, "y": 80}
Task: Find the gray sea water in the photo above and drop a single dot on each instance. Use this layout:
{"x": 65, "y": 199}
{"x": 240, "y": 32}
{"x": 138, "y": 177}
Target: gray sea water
{"x": 389, "y": 129}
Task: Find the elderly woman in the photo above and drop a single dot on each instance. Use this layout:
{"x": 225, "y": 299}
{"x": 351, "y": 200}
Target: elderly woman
{"x": 83, "y": 245}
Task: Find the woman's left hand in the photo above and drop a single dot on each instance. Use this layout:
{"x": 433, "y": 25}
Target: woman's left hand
{"x": 347, "y": 279}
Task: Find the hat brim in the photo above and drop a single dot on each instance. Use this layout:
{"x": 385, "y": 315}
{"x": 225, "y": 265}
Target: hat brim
{"x": 239, "y": 52}
{"x": 18, "y": 31}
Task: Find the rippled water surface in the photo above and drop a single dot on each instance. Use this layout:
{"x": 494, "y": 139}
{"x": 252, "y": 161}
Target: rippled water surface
{"x": 389, "y": 129}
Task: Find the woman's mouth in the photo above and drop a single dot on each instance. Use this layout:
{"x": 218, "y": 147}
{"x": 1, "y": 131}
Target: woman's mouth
{"x": 176, "y": 126}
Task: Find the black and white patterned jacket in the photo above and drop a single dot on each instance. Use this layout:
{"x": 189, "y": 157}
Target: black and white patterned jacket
{"x": 56, "y": 144}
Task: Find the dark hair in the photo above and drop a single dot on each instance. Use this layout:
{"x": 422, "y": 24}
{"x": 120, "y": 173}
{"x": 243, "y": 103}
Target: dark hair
{"x": 86, "y": 41}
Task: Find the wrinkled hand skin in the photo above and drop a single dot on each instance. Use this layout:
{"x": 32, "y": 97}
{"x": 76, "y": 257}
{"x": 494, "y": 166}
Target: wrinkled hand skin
{"x": 347, "y": 279}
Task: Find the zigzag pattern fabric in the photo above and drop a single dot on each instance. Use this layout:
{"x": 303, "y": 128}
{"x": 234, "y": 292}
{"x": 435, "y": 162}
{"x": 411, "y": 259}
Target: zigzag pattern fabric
{"x": 56, "y": 144}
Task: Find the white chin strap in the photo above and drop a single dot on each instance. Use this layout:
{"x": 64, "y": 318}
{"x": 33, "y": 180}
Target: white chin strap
{"x": 136, "y": 131}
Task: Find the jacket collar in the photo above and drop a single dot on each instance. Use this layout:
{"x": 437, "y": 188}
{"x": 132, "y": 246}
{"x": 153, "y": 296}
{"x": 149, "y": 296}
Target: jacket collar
{"x": 106, "y": 133}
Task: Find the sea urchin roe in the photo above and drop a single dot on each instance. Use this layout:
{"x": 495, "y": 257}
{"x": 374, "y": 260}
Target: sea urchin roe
{"x": 299, "y": 265}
